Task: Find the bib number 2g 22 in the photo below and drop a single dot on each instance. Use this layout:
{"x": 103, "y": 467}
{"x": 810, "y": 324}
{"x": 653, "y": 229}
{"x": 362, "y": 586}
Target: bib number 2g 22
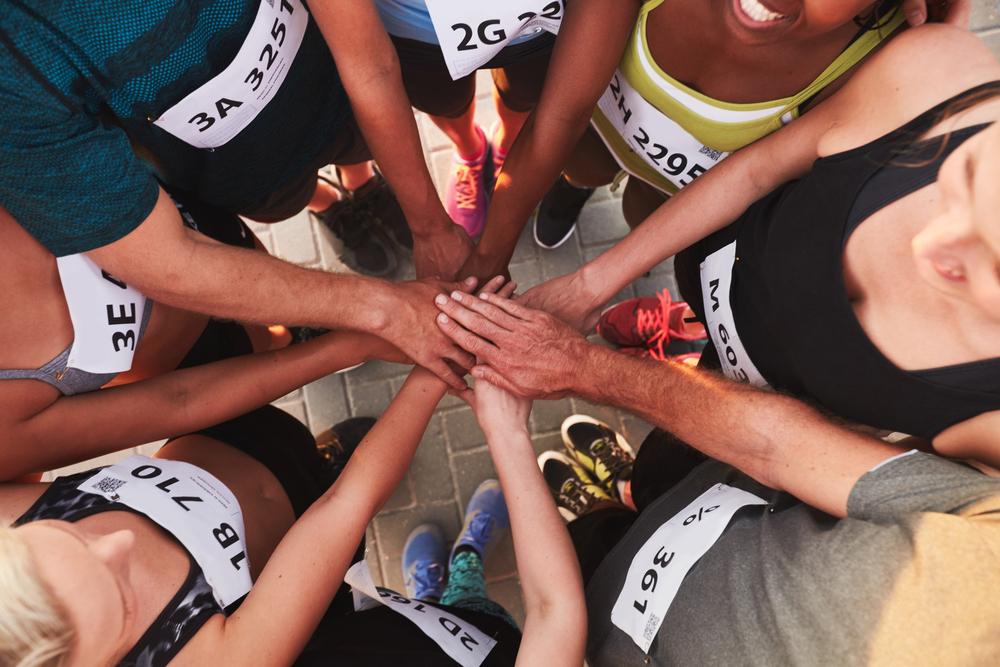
{"x": 488, "y": 32}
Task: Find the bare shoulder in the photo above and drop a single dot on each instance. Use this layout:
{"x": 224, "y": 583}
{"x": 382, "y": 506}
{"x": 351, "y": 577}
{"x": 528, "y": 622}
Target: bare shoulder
{"x": 977, "y": 438}
{"x": 915, "y": 71}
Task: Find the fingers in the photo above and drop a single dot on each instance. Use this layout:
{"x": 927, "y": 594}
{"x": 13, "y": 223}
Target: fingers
{"x": 461, "y": 360}
{"x": 465, "y": 339}
{"x": 915, "y": 11}
{"x": 512, "y": 308}
{"x": 507, "y": 291}
{"x": 450, "y": 377}
{"x": 461, "y": 308}
{"x": 487, "y": 374}
{"x": 959, "y": 13}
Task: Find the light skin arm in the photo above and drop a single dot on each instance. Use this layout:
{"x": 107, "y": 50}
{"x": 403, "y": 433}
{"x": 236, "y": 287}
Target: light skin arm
{"x": 75, "y": 428}
{"x": 369, "y": 69}
{"x": 177, "y": 266}
{"x": 578, "y": 74}
{"x": 775, "y": 439}
{"x": 546, "y": 563}
{"x": 309, "y": 564}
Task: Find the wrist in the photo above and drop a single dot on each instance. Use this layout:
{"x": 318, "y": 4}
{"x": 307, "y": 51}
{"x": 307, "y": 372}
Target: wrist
{"x": 594, "y": 288}
{"x": 374, "y": 314}
{"x": 506, "y": 433}
{"x": 590, "y": 381}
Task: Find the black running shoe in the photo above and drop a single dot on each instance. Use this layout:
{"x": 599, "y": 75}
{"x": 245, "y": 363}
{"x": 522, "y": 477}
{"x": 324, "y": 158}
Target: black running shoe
{"x": 556, "y": 215}
{"x": 336, "y": 444}
{"x": 366, "y": 248}
{"x": 574, "y": 491}
{"x": 604, "y": 454}
{"x": 379, "y": 198}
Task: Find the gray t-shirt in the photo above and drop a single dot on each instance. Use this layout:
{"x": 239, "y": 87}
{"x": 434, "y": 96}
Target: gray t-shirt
{"x": 911, "y": 576}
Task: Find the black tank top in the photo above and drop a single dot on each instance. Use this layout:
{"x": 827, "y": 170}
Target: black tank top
{"x": 790, "y": 303}
{"x": 189, "y": 608}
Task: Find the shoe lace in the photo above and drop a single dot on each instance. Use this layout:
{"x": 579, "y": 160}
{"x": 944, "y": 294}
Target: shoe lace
{"x": 653, "y": 324}
{"x": 467, "y": 186}
{"x": 575, "y": 496}
{"x": 610, "y": 454}
{"x": 427, "y": 575}
{"x": 481, "y": 528}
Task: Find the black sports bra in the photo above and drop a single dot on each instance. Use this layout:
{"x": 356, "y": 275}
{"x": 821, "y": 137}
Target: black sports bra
{"x": 189, "y": 609}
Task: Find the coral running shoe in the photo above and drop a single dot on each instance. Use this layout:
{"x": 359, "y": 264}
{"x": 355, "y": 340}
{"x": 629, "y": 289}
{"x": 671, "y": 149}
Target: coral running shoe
{"x": 599, "y": 450}
{"x": 650, "y": 322}
{"x": 466, "y": 193}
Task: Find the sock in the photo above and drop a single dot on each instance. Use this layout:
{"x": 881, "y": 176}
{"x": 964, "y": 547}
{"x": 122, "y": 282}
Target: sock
{"x": 624, "y": 487}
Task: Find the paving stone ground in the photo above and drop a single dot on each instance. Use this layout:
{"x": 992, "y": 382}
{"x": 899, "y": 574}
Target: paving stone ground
{"x": 453, "y": 459}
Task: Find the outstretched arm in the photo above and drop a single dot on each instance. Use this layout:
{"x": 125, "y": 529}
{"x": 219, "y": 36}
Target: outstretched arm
{"x": 578, "y": 74}
{"x": 369, "y": 69}
{"x": 775, "y": 439}
{"x": 546, "y": 563}
{"x": 75, "y": 428}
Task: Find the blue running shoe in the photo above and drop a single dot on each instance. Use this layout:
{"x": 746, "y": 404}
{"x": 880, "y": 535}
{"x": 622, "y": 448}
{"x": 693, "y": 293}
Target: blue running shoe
{"x": 486, "y": 520}
{"x": 424, "y": 563}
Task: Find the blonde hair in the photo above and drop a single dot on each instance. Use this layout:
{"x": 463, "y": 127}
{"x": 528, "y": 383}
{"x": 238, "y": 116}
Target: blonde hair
{"x": 34, "y": 627}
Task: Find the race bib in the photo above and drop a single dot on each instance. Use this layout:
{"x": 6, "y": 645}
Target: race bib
{"x": 659, "y": 568}
{"x": 193, "y": 506}
{"x": 463, "y": 642}
{"x": 472, "y": 33}
{"x": 222, "y": 108}
{"x": 659, "y": 141}
{"x": 106, "y": 313}
{"x": 716, "y": 281}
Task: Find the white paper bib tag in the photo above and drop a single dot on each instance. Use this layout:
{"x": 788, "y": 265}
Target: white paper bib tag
{"x": 659, "y": 141}
{"x": 193, "y": 506}
{"x": 222, "y": 108}
{"x": 716, "y": 281}
{"x": 463, "y": 642}
{"x": 472, "y": 33}
{"x": 106, "y": 313}
{"x": 659, "y": 567}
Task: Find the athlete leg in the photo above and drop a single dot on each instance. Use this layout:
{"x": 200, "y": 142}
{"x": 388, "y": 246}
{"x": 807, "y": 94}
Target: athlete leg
{"x": 639, "y": 201}
{"x": 591, "y": 165}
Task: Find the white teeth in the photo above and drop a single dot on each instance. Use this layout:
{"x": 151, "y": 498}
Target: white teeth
{"x": 759, "y": 12}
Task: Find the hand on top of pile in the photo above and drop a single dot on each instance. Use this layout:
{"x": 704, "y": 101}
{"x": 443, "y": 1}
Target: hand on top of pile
{"x": 524, "y": 351}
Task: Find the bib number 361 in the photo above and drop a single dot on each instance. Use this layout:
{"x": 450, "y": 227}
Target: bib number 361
{"x": 222, "y": 108}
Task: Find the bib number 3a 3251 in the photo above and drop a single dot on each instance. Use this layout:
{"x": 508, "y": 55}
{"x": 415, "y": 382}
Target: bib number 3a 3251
{"x": 472, "y": 33}
{"x": 222, "y": 108}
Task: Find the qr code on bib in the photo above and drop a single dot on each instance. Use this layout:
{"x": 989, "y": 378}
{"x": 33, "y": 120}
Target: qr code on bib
{"x": 712, "y": 154}
{"x": 109, "y": 484}
{"x": 652, "y": 625}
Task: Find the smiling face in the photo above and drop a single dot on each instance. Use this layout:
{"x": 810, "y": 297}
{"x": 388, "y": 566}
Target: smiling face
{"x": 768, "y": 21}
{"x": 958, "y": 252}
{"x": 89, "y": 576}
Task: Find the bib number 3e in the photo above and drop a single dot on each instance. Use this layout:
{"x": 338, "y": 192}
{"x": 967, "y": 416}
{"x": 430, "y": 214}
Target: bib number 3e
{"x": 472, "y": 33}
{"x": 222, "y": 108}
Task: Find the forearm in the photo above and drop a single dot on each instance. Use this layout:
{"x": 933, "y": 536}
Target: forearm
{"x": 76, "y": 428}
{"x": 370, "y": 72}
{"x": 778, "y": 440}
{"x": 546, "y": 561}
{"x": 308, "y": 566}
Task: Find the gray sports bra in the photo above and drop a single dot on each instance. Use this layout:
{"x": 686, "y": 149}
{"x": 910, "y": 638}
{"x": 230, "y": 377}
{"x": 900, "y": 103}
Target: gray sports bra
{"x": 68, "y": 380}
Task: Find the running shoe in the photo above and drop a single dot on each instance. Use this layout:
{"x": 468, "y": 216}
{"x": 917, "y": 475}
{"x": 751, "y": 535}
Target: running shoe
{"x": 486, "y": 520}
{"x": 377, "y": 196}
{"x": 650, "y": 322}
{"x": 499, "y": 155}
{"x": 465, "y": 197}
{"x": 424, "y": 567}
{"x": 336, "y": 444}
{"x": 604, "y": 454}
{"x": 366, "y": 249}
{"x": 556, "y": 215}
{"x": 573, "y": 489}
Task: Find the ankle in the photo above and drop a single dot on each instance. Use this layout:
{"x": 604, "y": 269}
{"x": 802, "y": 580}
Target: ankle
{"x": 472, "y": 150}
{"x": 354, "y": 176}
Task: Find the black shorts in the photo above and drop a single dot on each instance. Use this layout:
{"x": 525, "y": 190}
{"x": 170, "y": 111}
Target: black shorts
{"x": 518, "y": 74}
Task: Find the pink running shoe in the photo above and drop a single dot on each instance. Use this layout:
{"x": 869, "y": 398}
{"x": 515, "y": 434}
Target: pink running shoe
{"x": 466, "y": 193}
{"x": 649, "y": 322}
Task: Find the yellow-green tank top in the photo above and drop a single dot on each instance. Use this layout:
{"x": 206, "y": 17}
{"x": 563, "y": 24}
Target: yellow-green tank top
{"x": 668, "y": 134}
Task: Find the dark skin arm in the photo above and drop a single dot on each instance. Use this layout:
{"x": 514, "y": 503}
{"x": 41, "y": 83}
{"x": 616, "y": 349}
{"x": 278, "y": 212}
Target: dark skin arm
{"x": 578, "y": 74}
{"x": 775, "y": 439}
{"x": 369, "y": 70}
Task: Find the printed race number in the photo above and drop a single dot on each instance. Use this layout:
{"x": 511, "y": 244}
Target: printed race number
{"x": 472, "y": 33}
{"x": 222, "y": 108}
